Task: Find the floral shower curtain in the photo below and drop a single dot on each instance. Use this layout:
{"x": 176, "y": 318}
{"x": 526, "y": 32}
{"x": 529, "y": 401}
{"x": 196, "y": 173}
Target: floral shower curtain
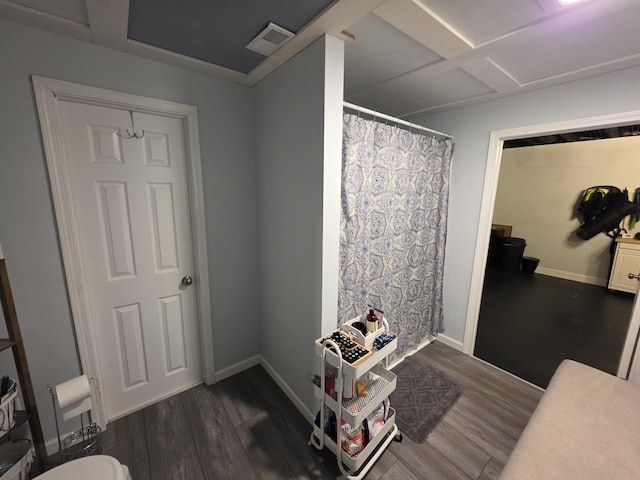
{"x": 395, "y": 187}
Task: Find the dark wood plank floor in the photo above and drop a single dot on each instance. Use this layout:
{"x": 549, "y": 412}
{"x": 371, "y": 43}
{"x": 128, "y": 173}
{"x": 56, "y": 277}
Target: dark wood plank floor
{"x": 529, "y": 323}
{"x": 246, "y": 428}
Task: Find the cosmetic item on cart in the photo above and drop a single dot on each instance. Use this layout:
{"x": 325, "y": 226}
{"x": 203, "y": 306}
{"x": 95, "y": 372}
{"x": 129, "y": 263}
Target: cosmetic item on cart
{"x": 372, "y": 322}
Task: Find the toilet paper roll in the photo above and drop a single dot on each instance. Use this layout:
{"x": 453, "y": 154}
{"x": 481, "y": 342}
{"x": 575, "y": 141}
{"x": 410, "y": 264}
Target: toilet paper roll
{"x": 74, "y": 396}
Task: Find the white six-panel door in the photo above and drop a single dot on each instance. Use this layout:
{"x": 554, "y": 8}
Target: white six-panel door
{"x": 132, "y": 206}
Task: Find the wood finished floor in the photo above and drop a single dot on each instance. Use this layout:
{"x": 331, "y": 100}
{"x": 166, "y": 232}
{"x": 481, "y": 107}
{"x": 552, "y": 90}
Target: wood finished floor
{"x": 529, "y": 323}
{"x": 245, "y": 427}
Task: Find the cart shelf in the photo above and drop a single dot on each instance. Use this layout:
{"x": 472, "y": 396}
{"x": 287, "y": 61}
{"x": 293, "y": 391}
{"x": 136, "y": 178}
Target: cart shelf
{"x": 357, "y": 409}
{"x": 376, "y": 445}
{"x": 354, "y": 411}
{"x": 360, "y": 368}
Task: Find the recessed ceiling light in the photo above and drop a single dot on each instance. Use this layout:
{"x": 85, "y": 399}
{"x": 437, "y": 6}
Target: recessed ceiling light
{"x": 564, "y": 3}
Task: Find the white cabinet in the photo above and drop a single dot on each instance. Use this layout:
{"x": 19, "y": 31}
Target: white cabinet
{"x": 625, "y": 261}
{"x": 355, "y": 410}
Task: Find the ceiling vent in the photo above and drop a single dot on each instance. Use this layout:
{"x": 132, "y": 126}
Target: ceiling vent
{"x": 270, "y": 39}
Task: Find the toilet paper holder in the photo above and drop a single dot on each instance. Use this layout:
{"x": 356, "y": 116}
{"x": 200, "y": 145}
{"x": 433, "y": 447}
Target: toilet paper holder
{"x": 84, "y": 441}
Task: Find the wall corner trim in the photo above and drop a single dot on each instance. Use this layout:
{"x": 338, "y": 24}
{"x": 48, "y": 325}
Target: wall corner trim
{"x": 304, "y": 410}
{"x": 450, "y": 342}
{"x": 236, "y": 368}
{"x": 260, "y": 360}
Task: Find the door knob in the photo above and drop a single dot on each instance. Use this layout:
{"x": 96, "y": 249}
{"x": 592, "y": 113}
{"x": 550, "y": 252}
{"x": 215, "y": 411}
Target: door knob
{"x": 186, "y": 281}
{"x": 632, "y": 276}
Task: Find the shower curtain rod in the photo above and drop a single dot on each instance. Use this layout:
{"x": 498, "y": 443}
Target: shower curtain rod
{"x": 373, "y": 113}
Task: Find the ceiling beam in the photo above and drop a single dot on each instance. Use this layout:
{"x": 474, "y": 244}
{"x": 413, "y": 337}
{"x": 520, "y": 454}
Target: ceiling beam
{"x": 562, "y": 19}
{"x": 492, "y": 75}
{"x": 165, "y": 56}
{"x": 109, "y": 21}
{"x": 559, "y": 21}
{"x": 606, "y": 67}
{"x": 335, "y": 19}
{"x": 420, "y": 23}
{"x": 46, "y": 21}
{"x": 550, "y": 6}
{"x": 75, "y": 10}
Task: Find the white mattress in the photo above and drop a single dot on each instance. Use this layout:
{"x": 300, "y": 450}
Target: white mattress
{"x": 586, "y": 426}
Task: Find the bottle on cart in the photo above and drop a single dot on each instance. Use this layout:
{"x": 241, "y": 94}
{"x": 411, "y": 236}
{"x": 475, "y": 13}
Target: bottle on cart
{"x": 372, "y": 322}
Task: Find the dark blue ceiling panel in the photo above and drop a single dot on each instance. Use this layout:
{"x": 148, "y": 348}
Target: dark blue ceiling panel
{"x": 216, "y": 31}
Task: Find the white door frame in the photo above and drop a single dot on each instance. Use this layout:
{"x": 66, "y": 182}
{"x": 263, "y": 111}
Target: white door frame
{"x": 49, "y": 93}
{"x": 492, "y": 170}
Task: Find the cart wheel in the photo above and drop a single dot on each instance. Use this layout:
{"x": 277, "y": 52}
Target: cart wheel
{"x": 398, "y": 437}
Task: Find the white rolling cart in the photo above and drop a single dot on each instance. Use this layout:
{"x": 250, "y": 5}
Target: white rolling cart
{"x": 355, "y": 410}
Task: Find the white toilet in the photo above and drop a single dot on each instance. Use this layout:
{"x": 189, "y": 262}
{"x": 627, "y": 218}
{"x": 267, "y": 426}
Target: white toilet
{"x": 96, "y": 467}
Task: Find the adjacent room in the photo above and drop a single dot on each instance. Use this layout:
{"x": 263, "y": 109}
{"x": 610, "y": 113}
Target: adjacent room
{"x": 530, "y": 321}
{"x": 212, "y": 211}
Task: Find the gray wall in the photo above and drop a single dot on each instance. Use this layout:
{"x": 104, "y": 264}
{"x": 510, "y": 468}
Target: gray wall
{"x": 27, "y": 225}
{"x": 471, "y": 126}
{"x": 537, "y": 191}
{"x": 290, "y": 138}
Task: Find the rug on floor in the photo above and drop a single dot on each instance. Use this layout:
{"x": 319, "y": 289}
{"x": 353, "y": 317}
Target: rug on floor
{"x": 422, "y": 398}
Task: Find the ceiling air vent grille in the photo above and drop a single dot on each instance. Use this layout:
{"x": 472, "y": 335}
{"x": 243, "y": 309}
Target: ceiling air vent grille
{"x": 270, "y": 39}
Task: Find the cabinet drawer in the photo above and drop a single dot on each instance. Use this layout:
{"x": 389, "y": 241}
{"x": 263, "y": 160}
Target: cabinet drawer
{"x": 626, "y": 261}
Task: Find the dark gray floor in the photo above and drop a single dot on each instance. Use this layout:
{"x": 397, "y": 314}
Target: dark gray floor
{"x": 529, "y": 323}
{"x": 246, "y": 428}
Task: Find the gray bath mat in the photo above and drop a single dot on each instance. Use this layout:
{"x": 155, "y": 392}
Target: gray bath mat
{"x": 422, "y": 398}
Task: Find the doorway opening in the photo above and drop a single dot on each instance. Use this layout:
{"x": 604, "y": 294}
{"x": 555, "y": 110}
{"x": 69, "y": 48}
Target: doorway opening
{"x": 483, "y": 278}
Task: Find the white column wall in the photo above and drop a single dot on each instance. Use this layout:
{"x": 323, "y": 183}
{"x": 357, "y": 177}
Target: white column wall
{"x": 298, "y": 110}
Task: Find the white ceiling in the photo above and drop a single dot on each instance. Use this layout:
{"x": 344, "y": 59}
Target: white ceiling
{"x": 406, "y": 57}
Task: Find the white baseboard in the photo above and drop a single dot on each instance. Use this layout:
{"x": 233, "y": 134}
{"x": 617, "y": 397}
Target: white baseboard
{"x": 238, "y": 367}
{"x": 550, "y": 272}
{"x": 288, "y": 391}
{"x": 508, "y": 373}
{"x": 52, "y": 446}
{"x": 408, "y": 353}
{"x": 449, "y": 342}
{"x": 260, "y": 360}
